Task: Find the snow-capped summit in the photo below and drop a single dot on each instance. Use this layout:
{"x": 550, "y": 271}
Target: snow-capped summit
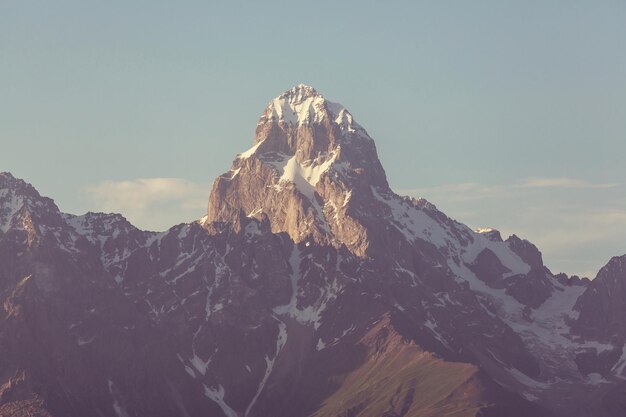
{"x": 298, "y": 105}
{"x": 304, "y": 105}
{"x": 299, "y": 93}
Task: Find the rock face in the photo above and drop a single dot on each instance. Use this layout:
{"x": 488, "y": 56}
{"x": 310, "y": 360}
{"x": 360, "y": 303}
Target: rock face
{"x": 311, "y": 170}
{"x": 603, "y": 307}
{"x": 309, "y": 289}
{"x": 602, "y": 316}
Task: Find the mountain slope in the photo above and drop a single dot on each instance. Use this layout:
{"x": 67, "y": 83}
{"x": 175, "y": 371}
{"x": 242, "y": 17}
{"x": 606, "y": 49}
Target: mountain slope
{"x": 309, "y": 289}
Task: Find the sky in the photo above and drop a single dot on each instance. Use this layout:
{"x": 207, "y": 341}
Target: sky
{"x": 504, "y": 114}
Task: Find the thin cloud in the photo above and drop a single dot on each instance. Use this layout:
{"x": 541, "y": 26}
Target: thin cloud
{"x": 580, "y": 227}
{"x": 562, "y": 182}
{"x": 153, "y": 203}
{"x": 473, "y": 191}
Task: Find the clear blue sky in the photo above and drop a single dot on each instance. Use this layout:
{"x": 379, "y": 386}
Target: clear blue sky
{"x": 504, "y": 114}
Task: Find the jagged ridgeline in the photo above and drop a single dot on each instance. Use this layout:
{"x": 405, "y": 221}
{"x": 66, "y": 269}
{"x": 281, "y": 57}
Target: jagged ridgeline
{"x": 309, "y": 289}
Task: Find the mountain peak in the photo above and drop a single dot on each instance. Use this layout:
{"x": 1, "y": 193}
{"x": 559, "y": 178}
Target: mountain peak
{"x": 23, "y": 208}
{"x": 308, "y": 154}
{"x": 299, "y": 93}
{"x": 303, "y": 105}
{"x": 12, "y": 185}
{"x": 303, "y": 123}
{"x": 299, "y": 105}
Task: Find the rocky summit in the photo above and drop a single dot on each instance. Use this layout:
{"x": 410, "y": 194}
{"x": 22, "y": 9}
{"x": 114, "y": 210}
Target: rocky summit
{"x": 309, "y": 289}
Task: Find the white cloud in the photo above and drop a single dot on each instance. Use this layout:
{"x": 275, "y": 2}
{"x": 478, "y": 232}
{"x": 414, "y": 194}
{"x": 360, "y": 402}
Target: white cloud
{"x": 151, "y": 203}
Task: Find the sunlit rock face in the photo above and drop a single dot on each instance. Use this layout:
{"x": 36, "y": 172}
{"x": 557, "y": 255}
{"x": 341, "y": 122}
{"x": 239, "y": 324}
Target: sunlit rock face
{"x": 311, "y": 171}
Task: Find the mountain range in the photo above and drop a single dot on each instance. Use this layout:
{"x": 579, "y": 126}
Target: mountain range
{"x": 309, "y": 289}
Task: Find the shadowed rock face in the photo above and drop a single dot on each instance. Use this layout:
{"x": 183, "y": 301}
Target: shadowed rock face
{"x": 603, "y": 306}
{"x": 309, "y": 289}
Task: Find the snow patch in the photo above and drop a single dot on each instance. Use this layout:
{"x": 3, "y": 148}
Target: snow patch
{"x": 12, "y": 206}
{"x": 217, "y": 396}
{"x": 618, "y": 368}
{"x": 432, "y": 326}
{"x": 526, "y": 380}
{"x": 530, "y": 397}
{"x": 247, "y": 154}
{"x": 305, "y": 175}
{"x": 83, "y": 341}
{"x": 120, "y": 411}
{"x": 200, "y": 365}
{"x": 320, "y": 345}
{"x": 595, "y": 378}
{"x": 269, "y": 363}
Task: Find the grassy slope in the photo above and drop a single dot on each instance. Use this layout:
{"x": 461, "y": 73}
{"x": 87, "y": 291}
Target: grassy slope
{"x": 400, "y": 379}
